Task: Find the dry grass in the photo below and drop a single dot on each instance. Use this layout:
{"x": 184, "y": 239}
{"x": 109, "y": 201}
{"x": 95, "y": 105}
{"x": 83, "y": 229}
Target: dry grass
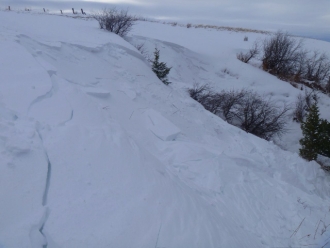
{"x": 215, "y": 27}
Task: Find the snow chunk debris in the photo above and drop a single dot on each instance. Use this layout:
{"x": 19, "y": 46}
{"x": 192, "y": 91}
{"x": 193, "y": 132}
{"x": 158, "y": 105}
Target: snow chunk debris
{"x": 96, "y": 92}
{"x": 160, "y": 126}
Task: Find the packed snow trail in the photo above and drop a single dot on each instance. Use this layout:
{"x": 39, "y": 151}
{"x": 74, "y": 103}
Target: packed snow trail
{"x": 97, "y": 152}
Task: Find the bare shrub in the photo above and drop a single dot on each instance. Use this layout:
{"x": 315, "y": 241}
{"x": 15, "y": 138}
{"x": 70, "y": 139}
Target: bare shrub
{"x": 245, "y": 109}
{"x": 230, "y": 100}
{"x": 252, "y": 53}
{"x": 327, "y": 86}
{"x": 285, "y": 57}
{"x": 294, "y": 85}
{"x": 228, "y": 72}
{"x": 300, "y": 68}
{"x": 299, "y": 112}
{"x": 303, "y": 105}
{"x": 261, "y": 117}
{"x": 213, "y": 102}
{"x": 140, "y": 47}
{"x": 189, "y": 25}
{"x": 115, "y": 21}
{"x": 282, "y": 55}
{"x": 174, "y": 24}
{"x": 200, "y": 92}
{"x": 197, "y": 90}
{"x": 311, "y": 98}
{"x": 246, "y": 38}
{"x": 317, "y": 67}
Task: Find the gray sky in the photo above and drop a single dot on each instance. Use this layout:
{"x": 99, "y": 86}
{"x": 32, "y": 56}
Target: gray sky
{"x": 300, "y": 17}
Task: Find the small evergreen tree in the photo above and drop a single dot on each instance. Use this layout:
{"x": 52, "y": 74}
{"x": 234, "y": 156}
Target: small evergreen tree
{"x": 160, "y": 68}
{"x": 310, "y": 143}
{"x": 324, "y": 138}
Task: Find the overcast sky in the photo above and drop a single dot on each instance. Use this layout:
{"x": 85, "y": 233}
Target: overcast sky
{"x": 301, "y": 17}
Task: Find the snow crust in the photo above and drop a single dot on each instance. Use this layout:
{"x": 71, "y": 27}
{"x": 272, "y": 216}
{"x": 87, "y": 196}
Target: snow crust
{"x": 96, "y": 152}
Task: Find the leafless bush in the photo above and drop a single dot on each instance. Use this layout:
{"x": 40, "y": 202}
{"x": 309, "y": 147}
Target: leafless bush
{"x": 228, "y": 72}
{"x": 252, "y": 53}
{"x": 200, "y": 93}
{"x": 174, "y": 24}
{"x": 303, "y": 105}
{"x": 299, "y": 112}
{"x": 198, "y": 90}
{"x": 317, "y": 67}
{"x": 285, "y": 57}
{"x": 140, "y": 47}
{"x": 189, "y": 25}
{"x": 282, "y": 55}
{"x": 213, "y": 102}
{"x": 261, "y": 117}
{"x": 245, "y": 109}
{"x": 299, "y": 71}
{"x": 115, "y": 21}
{"x": 230, "y": 100}
{"x": 327, "y": 86}
{"x": 311, "y": 98}
{"x": 246, "y": 38}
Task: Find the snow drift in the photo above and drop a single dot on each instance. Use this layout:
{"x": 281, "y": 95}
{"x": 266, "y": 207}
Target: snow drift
{"x": 97, "y": 152}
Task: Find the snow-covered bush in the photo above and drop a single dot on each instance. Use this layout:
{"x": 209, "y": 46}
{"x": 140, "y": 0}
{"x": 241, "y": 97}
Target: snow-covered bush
{"x": 115, "y": 21}
{"x": 244, "y": 109}
{"x": 160, "y": 68}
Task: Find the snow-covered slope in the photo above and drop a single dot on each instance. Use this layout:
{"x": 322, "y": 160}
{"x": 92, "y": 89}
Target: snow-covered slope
{"x": 96, "y": 152}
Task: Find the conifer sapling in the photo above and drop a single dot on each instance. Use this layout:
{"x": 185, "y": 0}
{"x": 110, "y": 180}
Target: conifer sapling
{"x": 160, "y": 68}
{"x": 325, "y": 138}
{"x": 310, "y": 143}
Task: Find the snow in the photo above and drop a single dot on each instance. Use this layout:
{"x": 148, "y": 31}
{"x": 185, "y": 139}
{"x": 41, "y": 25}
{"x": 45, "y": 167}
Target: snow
{"x": 95, "y": 151}
{"x": 160, "y": 126}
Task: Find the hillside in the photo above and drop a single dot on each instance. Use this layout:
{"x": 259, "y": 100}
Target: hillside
{"x": 97, "y": 152}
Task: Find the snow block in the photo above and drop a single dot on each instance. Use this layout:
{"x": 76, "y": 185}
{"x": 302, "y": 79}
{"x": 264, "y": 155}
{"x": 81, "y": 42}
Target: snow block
{"x": 160, "y": 126}
{"x": 96, "y": 92}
